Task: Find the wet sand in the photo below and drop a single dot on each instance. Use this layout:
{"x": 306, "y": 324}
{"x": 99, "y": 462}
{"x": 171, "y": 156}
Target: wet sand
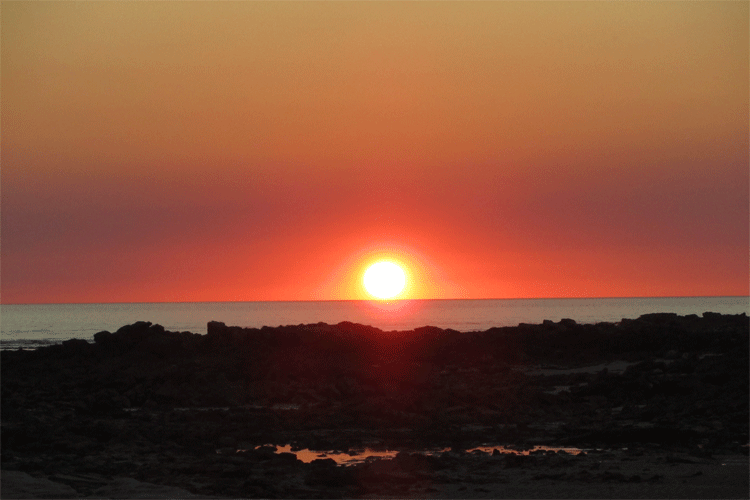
{"x": 655, "y": 407}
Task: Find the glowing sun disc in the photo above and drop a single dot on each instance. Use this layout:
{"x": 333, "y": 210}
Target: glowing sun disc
{"x": 384, "y": 280}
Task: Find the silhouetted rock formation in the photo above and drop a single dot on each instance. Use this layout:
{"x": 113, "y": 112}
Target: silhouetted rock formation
{"x": 142, "y": 394}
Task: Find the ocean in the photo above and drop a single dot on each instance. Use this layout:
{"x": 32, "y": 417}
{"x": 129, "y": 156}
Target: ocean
{"x": 30, "y": 326}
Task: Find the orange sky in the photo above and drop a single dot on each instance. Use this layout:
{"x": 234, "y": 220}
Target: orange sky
{"x": 191, "y": 151}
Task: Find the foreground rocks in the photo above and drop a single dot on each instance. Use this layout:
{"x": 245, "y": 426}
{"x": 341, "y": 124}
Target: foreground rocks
{"x": 660, "y": 403}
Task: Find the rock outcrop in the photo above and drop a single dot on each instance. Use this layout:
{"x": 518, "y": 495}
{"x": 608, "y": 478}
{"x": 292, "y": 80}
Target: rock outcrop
{"x": 146, "y": 406}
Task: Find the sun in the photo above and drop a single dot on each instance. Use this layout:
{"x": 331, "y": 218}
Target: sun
{"x": 384, "y": 280}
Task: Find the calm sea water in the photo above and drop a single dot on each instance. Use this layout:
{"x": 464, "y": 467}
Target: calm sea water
{"x": 31, "y": 326}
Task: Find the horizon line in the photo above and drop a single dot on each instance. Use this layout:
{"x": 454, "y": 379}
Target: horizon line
{"x": 375, "y": 300}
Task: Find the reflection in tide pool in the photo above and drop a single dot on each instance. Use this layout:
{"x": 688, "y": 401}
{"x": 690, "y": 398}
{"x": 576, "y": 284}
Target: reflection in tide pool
{"x": 356, "y": 456}
{"x": 502, "y": 449}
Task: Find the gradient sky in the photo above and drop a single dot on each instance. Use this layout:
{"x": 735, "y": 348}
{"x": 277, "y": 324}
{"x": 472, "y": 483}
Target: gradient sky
{"x": 189, "y": 151}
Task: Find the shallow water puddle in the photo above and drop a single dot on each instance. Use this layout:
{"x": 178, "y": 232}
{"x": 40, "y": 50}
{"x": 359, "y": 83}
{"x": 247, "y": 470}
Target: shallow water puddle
{"x": 360, "y": 455}
{"x": 503, "y": 449}
{"x": 354, "y": 456}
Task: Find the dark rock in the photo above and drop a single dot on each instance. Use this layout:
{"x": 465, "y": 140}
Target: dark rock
{"x": 659, "y": 318}
{"x": 188, "y": 395}
{"x": 17, "y": 484}
{"x": 77, "y": 346}
{"x": 323, "y": 463}
{"x": 513, "y": 460}
{"x": 102, "y": 337}
{"x": 216, "y": 328}
{"x": 122, "y": 487}
{"x": 568, "y": 323}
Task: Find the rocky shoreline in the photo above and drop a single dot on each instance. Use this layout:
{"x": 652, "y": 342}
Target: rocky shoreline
{"x": 658, "y": 404}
